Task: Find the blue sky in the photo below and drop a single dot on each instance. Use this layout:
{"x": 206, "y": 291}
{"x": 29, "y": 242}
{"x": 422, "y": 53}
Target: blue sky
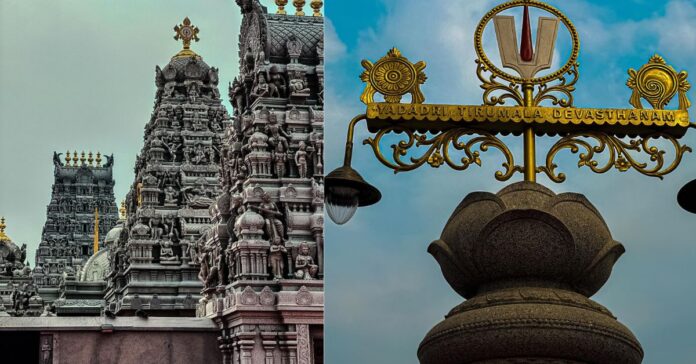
{"x": 384, "y": 292}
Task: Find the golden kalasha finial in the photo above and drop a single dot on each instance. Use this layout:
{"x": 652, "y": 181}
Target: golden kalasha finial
{"x": 122, "y": 210}
{"x": 67, "y": 159}
{"x": 82, "y": 158}
{"x": 281, "y": 6}
{"x": 316, "y": 5}
{"x": 299, "y": 5}
{"x": 90, "y": 160}
{"x": 74, "y": 158}
{"x": 657, "y": 82}
{"x": 3, "y": 237}
{"x": 186, "y": 33}
{"x": 99, "y": 159}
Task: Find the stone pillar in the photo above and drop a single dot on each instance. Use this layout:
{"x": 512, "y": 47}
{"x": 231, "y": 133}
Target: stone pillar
{"x": 527, "y": 261}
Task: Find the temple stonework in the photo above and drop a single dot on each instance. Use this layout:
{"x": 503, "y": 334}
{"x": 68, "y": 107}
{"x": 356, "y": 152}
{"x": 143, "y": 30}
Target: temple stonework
{"x": 82, "y": 187}
{"x": 154, "y": 261}
{"x": 262, "y": 262}
{"x": 18, "y": 294}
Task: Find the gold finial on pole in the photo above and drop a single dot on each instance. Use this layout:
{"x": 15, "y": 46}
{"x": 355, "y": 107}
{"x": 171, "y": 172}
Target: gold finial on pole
{"x": 90, "y": 160}
{"x": 316, "y": 5}
{"x": 3, "y": 237}
{"x": 74, "y": 158}
{"x": 281, "y": 6}
{"x": 67, "y": 158}
{"x": 186, "y": 33}
{"x": 96, "y": 231}
{"x": 82, "y": 158}
{"x": 299, "y": 5}
{"x": 98, "y": 160}
{"x": 122, "y": 210}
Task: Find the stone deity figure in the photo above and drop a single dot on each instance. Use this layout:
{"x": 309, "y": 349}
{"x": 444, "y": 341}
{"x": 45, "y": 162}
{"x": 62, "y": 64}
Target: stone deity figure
{"x": 298, "y": 85}
{"x": 173, "y": 120}
{"x": 192, "y": 250}
{"x": 46, "y": 349}
{"x": 272, "y": 224}
{"x": 198, "y": 124}
{"x": 193, "y": 92}
{"x": 276, "y": 134}
{"x": 166, "y": 249}
{"x": 171, "y": 196}
{"x": 279, "y": 82}
{"x": 188, "y": 150}
{"x": 304, "y": 264}
{"x": 317, "y": 140}
{"x": 178, "y": 117}
{"x": 214, "y": 121}
{"x": 276, "y": 259}
{"x": 199, "y": 154}
{"x": 279, "y": 158}
{"x": 231, "y": 264}
{"x": 156, "y": 227}
{"x": 262, "y": 87}
{"x": 198, "y": 197}
{"x": 301, "y": 160}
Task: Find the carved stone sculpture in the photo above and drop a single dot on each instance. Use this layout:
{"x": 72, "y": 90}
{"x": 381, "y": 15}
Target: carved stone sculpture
{"x": 304, "y": 264}
{"x": 301, "y": 160}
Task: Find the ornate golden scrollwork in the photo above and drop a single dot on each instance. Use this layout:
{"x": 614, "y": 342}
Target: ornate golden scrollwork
{"x": 619, "y": 154}
{"x": 657, "y": 82}
{"x": 440, "y": 149}
{"x": 393, "y": 76}
{"x": 565, "y": 86}
{"x": 495, "y": 92}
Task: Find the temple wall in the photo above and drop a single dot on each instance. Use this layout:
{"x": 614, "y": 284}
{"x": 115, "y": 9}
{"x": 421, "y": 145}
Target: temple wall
{"x": 172, "y": 347}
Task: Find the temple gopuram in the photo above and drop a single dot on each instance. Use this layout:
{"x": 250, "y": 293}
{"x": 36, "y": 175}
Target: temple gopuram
{"x": 83, "y": 189}
{"x": 154, "y": 261}
{"x": 262, "y": 262}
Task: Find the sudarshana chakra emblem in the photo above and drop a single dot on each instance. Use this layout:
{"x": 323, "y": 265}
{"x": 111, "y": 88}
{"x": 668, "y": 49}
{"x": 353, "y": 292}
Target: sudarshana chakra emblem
{"x": 393, "y": 76}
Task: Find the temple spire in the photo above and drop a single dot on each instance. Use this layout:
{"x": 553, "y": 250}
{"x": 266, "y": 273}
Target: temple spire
{"x": 3, "y": 237}
{"x": 526, "y": 48}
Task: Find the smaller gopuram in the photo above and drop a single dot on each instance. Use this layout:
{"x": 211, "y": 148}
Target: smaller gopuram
{"x": 262, "y": 262}
{"x": 81, "y": 293}
{"x": 153, "y": 262}
{"x": 18, "y": 294}
{"x": 83, "y": 187}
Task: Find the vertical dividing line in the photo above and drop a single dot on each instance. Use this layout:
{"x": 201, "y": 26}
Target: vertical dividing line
{"x": 529, "y": 138}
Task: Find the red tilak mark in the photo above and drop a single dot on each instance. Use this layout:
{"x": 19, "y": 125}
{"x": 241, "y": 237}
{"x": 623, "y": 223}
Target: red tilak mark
{"x": 526, "y": 49}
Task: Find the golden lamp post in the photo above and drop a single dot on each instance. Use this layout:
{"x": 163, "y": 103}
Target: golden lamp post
{"x": 620, "y": 134}
{"x": 526, "y": 259}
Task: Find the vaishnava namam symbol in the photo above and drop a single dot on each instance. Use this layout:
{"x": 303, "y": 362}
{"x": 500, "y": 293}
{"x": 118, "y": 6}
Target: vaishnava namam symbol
{"x": 524, "y": 59}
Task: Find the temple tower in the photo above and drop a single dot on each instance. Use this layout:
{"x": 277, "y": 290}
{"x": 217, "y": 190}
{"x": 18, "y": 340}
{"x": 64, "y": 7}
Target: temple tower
{"x": 153, "y": 263}
{"x": 82, "y": 187}
{"x": 262, "y": 263}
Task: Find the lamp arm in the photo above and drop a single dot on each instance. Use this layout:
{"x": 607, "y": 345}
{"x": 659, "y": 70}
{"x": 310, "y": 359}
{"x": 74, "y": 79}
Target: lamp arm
{"x": 349, "y": 139}
{"x": 692, "y": 125}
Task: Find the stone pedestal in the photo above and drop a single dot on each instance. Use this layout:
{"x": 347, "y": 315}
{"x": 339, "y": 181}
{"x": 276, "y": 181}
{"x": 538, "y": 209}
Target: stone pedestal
{"x": 527, "y": 261}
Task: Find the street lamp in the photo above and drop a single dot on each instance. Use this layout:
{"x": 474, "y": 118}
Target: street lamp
{"x": 526, "y": 260}
{"x": 687, "y": 197}
{"x": 346, "y": 190}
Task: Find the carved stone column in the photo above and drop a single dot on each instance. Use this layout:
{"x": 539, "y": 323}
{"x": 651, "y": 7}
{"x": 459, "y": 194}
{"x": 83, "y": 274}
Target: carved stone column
{"x": 527, "y": 261}
{"x": 304, "y": 347}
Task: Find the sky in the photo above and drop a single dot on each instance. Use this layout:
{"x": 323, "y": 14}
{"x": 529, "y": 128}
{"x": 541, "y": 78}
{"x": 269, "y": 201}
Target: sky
{"x": 79, "y": 75}
{"x": 384, "y": 291}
